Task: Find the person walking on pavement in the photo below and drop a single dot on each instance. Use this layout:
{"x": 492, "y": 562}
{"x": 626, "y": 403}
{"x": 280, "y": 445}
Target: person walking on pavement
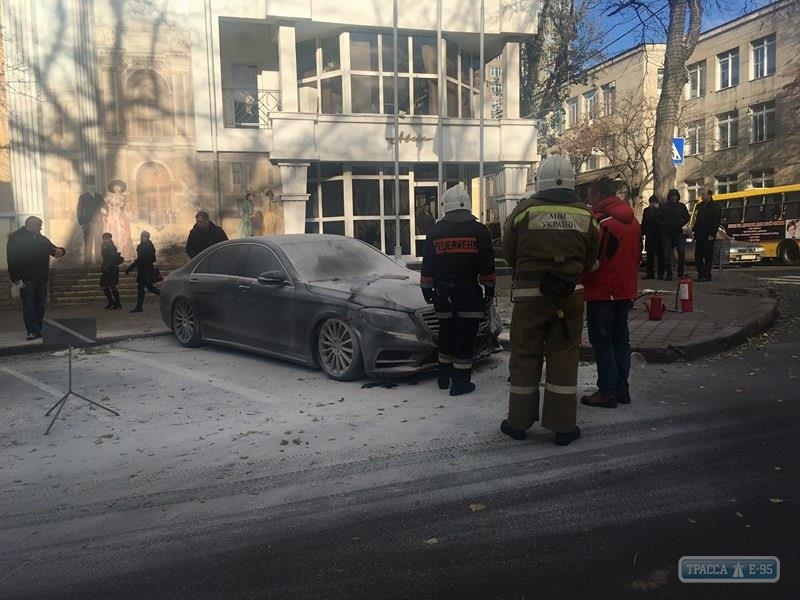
{"x": 672, "y": 216}
{"x": 549, "y": 241}
{"x": 91, "y": 207}
{"x": 109, "y": 271}
{"x": 203, "y": 235}
{"x": 707, "y": 218}
{"x": 145, "y": 270}
{"x": 28, "y": 253}
{"x": 651, "y": 230}
{"x": 457, "y": 261}
{"x": 608, "y": 292}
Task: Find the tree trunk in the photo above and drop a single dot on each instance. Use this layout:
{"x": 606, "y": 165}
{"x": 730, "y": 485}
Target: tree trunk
{"x": 680, "y": 45}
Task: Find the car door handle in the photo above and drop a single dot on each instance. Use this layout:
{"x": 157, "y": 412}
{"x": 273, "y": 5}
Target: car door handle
{"x": 193, "y": 280}
{"x": 244, "y": 287}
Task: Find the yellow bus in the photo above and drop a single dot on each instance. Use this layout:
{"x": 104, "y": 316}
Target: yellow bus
{"x": 769, "y": 217}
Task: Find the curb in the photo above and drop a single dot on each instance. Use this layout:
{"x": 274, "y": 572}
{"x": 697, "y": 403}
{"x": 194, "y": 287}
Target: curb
{"x": 101, "y": 341}
{"x": 690, "y": 350}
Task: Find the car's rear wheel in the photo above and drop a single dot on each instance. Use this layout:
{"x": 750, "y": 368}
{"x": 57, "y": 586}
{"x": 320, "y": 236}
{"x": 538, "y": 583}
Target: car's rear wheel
{"x": 338, "y": 351}
{"x": 185, "y": 325}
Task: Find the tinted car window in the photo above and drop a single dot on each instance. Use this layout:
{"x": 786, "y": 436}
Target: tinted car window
{"x": 339, "y": 258}
{"x": 224, "y": 261}
{"x": 259, "y": 260}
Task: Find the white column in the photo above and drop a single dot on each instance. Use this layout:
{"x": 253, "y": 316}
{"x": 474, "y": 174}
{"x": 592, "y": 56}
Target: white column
{"x": 287, "y": 64}
{"x": 294, "y": 195}
{"x": 511, "y": 81}
{"x": 512, "y": 180}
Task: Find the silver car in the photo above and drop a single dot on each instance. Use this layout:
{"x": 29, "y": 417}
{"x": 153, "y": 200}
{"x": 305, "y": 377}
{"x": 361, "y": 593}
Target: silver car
{"x": 323, "y": 300}
{"x": 737, "y": 252}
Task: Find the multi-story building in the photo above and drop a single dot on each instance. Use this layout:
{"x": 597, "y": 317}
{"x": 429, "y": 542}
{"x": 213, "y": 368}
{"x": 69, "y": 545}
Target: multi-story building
{"x": 740, "y": 116}
{"x": 190, "y": 104}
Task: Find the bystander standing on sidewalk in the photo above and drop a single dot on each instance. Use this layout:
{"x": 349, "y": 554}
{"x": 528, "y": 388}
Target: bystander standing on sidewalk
{"x": 203, "y": 235}
{"x": 109, "y": 271}
{"x": 651, "y": 230}
{"x": 708, "y": 216}
{"x": 672, "y": 216}
{"x": 28, "y": 253}
{"x": 609, "y": 291}
{"x": 145, "y": 270}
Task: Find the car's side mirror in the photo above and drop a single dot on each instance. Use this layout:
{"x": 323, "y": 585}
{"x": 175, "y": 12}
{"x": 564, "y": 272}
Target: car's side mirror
{"x": 272, "y": 278}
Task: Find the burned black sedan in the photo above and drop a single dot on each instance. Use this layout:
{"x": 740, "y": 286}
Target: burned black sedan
{"x": 324, "y": 300}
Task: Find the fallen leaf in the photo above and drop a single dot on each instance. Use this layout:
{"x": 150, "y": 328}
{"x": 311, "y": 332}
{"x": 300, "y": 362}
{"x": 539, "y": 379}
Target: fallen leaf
{"x": 776, "y": 468}
{"x": 431, "y": 541}
{"x": 776, "y": 500}
{"x": 692, "y": 521}
{"x": 738, "y": 514}
{"x": 477, "y": 506}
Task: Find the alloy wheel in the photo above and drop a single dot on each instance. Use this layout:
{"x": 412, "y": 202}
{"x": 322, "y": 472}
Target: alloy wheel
{"x": 338, "y": 348}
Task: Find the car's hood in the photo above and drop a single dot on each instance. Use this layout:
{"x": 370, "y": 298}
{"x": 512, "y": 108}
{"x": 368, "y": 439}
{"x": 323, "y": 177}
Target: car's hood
{"x": 379, "y": 291}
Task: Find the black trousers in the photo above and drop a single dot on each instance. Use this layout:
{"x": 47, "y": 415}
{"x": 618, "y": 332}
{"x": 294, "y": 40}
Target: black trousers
{"x": 704, "y": 256}
{"x": 460, "y": 311}
{"x": 140, "y": 292}
{"x": 655, "y": 257}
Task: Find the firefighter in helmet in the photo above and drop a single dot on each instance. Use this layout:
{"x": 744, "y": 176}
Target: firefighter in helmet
{"x": 458, "y": 260}
{"x": 549, "y": 240}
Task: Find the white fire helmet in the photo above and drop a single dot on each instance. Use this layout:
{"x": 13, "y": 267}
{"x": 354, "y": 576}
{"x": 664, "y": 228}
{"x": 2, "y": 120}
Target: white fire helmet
{"x": 555, "y": 172}
{"x": 454, "y": 199}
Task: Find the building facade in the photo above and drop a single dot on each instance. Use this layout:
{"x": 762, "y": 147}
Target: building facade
{"x": 187, "y": 105}
{"x": 741, "y": 112}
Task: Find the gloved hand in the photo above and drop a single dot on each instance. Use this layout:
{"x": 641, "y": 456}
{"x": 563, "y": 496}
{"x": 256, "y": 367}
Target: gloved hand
{"x": 427, "y": 293}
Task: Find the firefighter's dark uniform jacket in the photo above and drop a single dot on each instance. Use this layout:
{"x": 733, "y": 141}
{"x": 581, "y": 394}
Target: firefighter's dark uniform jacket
{"x": 458, "y": 257}
{"x": 553, "y": 231}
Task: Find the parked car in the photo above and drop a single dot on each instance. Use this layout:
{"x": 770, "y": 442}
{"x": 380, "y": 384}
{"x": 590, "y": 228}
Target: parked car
{"x": 323, "y": 300}
{"x": 740, "y": 253}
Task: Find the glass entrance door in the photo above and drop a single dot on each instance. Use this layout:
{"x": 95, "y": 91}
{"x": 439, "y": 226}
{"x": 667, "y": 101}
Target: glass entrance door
{"x": 426, "y": 203}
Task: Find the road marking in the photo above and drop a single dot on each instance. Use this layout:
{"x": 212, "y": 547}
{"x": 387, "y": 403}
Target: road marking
{"x": 225, "y": 386}
{"x": 34, "y": 382}
{"x": 784, "y": 280}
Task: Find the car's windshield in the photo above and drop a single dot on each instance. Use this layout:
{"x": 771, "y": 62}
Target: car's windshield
{"x": 339, "y": 258}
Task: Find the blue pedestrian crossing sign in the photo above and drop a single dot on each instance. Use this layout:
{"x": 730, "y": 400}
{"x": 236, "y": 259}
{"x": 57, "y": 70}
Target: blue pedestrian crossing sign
{"x": 678, "y": 144}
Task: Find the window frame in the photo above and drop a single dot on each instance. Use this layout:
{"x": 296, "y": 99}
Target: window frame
{"x": 730, "y": 121}
{"x": 697, "y": 75}
{"x": 729, "y": 58}
{"x": 765, "y": 48}
{"x": 762, "y": 119}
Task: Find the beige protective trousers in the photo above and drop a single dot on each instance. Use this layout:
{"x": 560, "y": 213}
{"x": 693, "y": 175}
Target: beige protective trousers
{"x": 537, "y": 335}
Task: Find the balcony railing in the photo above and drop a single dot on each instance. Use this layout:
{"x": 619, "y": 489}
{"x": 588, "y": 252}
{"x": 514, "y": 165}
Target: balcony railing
{"x": 248, "y": 107}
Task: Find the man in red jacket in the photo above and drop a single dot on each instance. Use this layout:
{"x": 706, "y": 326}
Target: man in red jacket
{"x": 608, "y": 292}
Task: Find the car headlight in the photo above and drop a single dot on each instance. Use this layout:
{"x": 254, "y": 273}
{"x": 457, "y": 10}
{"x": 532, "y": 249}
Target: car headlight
{"x": 389, "y": 320}
{"x": 759, "y": 249}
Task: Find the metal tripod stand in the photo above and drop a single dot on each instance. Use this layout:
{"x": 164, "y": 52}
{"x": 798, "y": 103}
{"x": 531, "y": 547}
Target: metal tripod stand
{"x": 60, "y": 404}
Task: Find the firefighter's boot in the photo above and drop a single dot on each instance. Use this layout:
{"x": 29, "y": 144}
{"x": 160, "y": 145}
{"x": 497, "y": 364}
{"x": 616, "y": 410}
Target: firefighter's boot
{"x": 445, "y": 372}
{"x": 461, "y": 382}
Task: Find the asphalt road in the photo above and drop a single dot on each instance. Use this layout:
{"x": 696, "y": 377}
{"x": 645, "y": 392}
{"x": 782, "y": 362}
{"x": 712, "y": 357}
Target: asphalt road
{"x": 704, "y": 462}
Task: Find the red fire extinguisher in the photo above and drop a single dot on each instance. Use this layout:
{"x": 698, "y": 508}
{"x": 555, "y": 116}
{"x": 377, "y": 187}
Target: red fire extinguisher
{"x": 685, "y": 294}
{"x": 656, "y": 308}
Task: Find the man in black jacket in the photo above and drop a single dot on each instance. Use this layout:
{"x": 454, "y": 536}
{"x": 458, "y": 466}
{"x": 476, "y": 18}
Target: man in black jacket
{"x": 145, "y": 270}
{"x": 203, "y": 235}
{"x": 672, "y": 216}
{"x": 708, "y": 216}
{"x": 29, "y": 253}
{"x": 651, "y": 230}
{"x": 458, "y": 260}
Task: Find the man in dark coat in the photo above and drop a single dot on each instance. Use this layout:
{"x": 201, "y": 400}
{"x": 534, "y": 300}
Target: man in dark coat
{"x": 708, "y": 216}
{"x": 29, "y": 253}
{"x": 90, "y": 208}
{"x": 203, "y": 235}
{"x": 672, "y": 216}
{"x": 145, "y": 270}
{"x": 651, "y": 230}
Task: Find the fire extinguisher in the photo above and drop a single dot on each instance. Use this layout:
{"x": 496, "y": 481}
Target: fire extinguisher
{"x": 656, "y": 307}
{"x": 685, "y": 295}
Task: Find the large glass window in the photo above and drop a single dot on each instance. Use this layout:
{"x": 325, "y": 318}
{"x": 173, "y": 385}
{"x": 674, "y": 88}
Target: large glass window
{"x": 364, "y": 51}
{"x": 762, "y": 122}
{"x": 697, "y": 79}
{"x": 727, "y": 183}
{"x": 331, "y": 92}
{"x": 306, "y": 59}
{"x": 366, "y": 197}
{"x": 426, "y": 100}
{"x": 763, "y": 56}
{"x": 728, "y": 68}
{"x": 762, "y": 179}
{"x": 332, "y": 199}
{"x": 387, "y": 45}
{"x": 695, "y": 138}
{"x": 402, "y": 95}
{"x": 727, "y": 130}
{"x": 366, "y": 94}
{"x": 424, "y": 54}
{"x": 330, "y": 54}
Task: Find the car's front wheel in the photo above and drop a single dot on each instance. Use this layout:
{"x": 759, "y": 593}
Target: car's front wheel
{"x": 338, "y": 351}
{"x": 185, "y": 325}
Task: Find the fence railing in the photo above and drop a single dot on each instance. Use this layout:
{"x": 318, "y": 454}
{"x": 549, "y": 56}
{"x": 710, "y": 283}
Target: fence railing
{"x": 248, "y": 107}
